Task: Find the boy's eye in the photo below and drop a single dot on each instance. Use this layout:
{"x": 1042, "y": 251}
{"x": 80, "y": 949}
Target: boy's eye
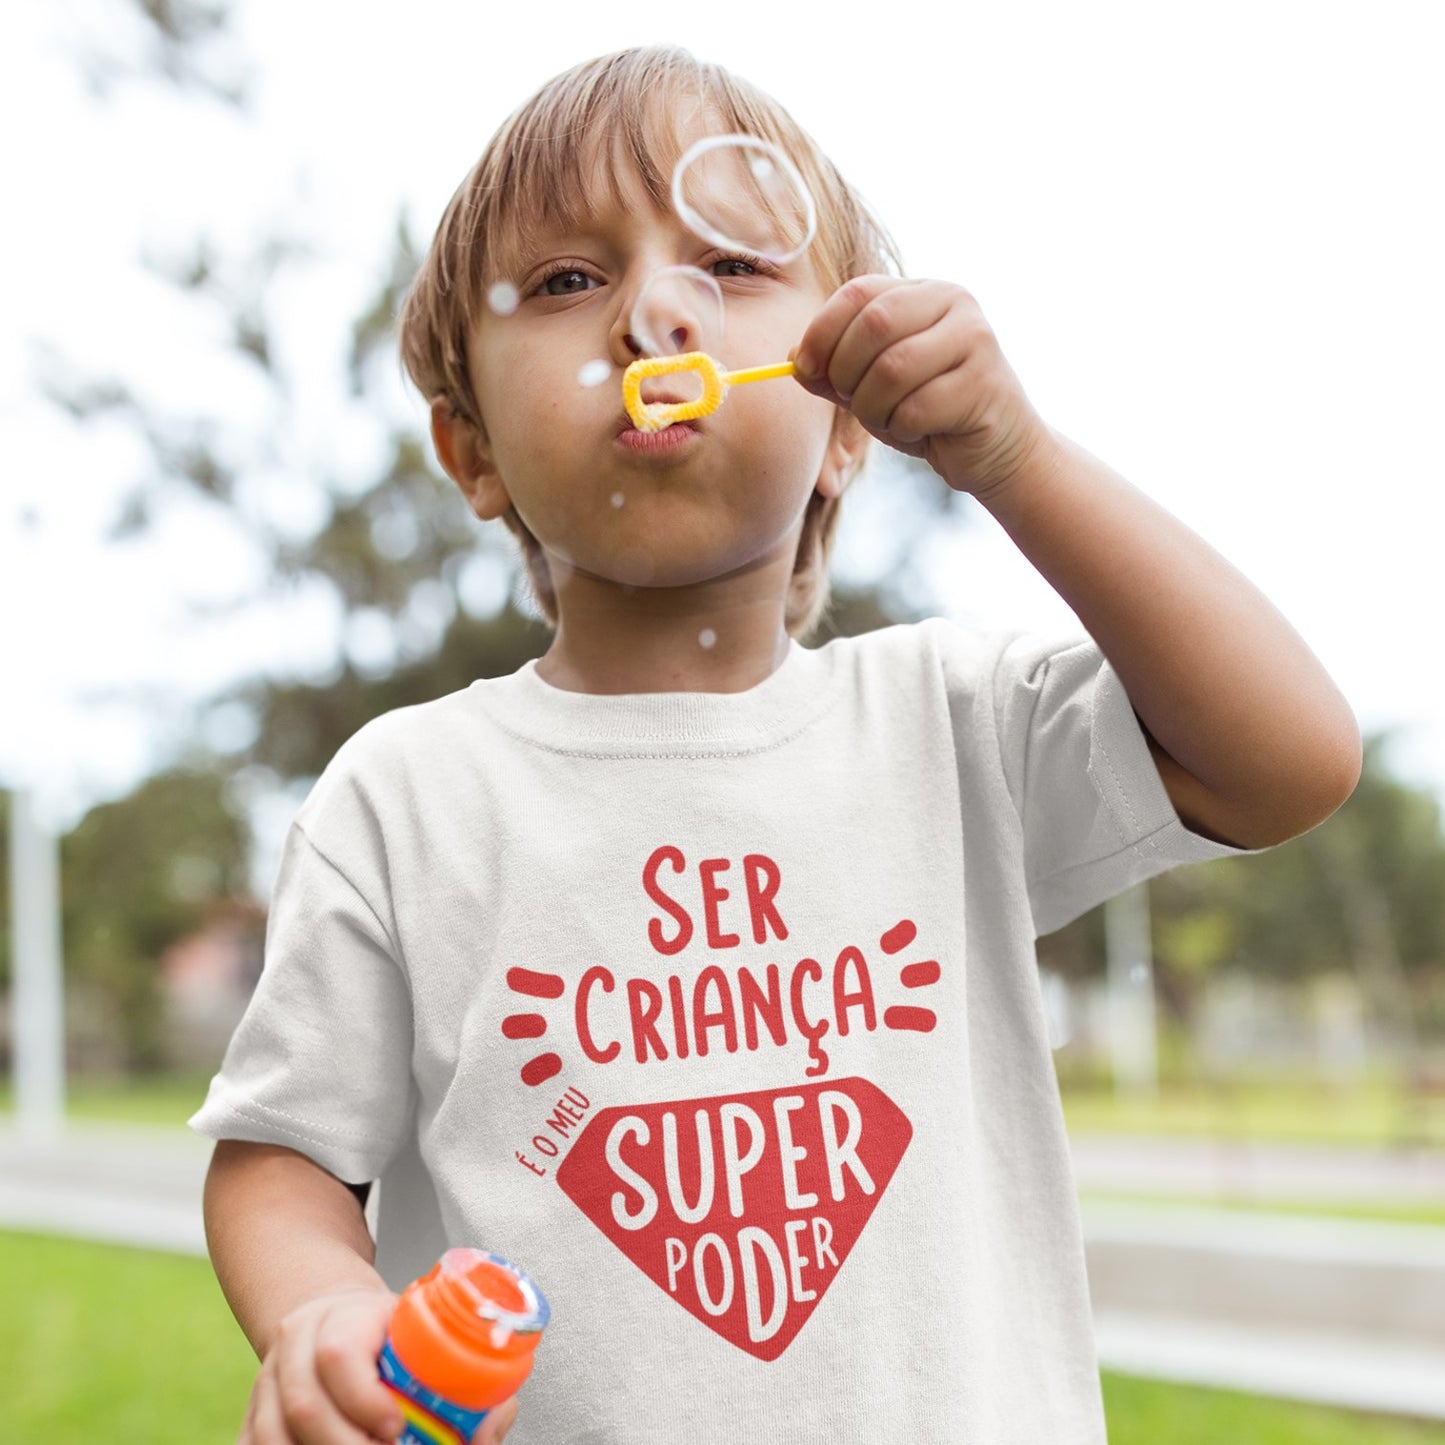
{"x": 735, "y": 266}
{"x": 567, "y": 283}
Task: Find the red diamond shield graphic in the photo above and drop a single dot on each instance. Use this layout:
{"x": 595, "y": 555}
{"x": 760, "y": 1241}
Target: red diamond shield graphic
{"x": 742, "y": 1207}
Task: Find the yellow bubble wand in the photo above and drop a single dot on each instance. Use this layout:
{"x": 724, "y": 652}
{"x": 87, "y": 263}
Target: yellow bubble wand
{"x": 654, "y": 416}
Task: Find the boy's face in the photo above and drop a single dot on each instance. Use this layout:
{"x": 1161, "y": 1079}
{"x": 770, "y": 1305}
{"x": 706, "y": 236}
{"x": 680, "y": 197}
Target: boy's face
{"x": 691, "y": 504}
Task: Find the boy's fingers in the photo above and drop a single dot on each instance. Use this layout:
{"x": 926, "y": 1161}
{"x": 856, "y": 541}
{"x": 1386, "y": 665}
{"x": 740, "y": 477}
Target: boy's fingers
{"x": 248, "y": 1434}
{"x": 916, "y": 362}
{"x": 930, "y": 413}
{"x": 264, "y": 1424}
{"x": 348, "y": 1378}
{"x": 494, "y": 1428}
{"x": 309, "y": 1415}
{"x": 813, "y": 354}
{"x": 889, "y": 320}
{"x": 348, "y": 1340}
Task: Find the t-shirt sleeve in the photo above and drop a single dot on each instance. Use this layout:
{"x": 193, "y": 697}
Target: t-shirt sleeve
{"x": 1095, "y": 815}
{"x": 321, "y": 1061}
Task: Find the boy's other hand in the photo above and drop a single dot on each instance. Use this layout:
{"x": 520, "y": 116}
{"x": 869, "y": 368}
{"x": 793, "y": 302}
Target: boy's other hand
{"x": 318, "y": 1383}
{"x": 920, "y": 368}
{"x": 495, "y": 1428}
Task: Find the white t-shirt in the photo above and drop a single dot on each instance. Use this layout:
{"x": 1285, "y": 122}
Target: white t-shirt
{"x": 719, "y": 1015}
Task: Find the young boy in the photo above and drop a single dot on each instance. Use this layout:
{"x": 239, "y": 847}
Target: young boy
{"x": 691, "y": 969}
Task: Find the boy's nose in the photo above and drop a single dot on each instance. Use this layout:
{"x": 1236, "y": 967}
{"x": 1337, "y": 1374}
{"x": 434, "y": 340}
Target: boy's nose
{"x": 623, "y": 340}
{"x": 673, "y": 341}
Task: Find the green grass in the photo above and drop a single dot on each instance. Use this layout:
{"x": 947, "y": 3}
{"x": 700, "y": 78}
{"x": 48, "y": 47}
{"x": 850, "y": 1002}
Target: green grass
{"x": 1383, "y": 1212}
{"x": 102, "y": 1343}
{"x": 1153, "y": 1412}
{"x": 108, "y": 1344}
{"x": 1377, "y": 1113}
{"x": 154, "y": 1099}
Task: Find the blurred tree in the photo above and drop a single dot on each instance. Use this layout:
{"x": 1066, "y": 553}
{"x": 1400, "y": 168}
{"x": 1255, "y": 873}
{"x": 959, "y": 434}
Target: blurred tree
{"x": 138, "y": 874}
{"x": 301, "y": 725}
{"x": 425, "y": 598}
{"x": 180, "y": 41}
{"x": 1364, "y": 893}
{"x": 5, "y": 806}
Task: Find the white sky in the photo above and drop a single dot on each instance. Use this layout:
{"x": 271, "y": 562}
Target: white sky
{"x": 1210, "y": 239}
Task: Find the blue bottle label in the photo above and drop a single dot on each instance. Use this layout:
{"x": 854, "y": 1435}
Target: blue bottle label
{"x": 430, "y": 1420}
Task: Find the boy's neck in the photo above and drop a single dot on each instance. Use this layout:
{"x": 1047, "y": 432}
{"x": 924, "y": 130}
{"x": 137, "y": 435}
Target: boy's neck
{"x": 640, "y": 641}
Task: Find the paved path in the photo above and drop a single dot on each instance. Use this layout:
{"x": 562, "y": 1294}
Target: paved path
{"x": 1342, "y": 1311}
{"x": 1239, "y": 1170}
{"x": 1345, "y": 1312}
{"x": 120, "y": 1185}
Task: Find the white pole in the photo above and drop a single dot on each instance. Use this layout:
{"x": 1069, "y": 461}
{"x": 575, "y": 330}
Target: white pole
{"x": 1130, "y": 954}
{"x": 37, "y": 1007}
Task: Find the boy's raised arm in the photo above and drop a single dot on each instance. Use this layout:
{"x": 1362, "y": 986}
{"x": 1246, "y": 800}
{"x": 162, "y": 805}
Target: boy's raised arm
{"x": 1252, "y": 739}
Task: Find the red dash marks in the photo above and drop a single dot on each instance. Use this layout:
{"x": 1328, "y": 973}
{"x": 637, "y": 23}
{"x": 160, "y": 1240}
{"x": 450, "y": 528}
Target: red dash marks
{"x": 534, "y": 985}
{"x": 899, "y": 936}
{"x": 920, "y": 975}
{"x": 539, "y": 1070}
{"x": 911, "y": 975}
{"x": 912, "y": 1020}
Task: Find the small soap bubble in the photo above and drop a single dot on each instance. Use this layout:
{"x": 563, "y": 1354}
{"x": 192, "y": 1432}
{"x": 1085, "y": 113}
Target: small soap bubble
{"x": 1139, "y": 974}
{"x": 679, "y": 309}
{"x": 594, "y": 373}
{"x": 707, "y": 637}
{"x": 743, "y": 193}
{"x": 503, "y": 298}
{"x": 618, "y": 499}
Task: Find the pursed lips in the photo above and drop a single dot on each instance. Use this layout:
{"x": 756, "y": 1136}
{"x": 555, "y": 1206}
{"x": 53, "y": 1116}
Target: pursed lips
{"x": 668, "y": 398}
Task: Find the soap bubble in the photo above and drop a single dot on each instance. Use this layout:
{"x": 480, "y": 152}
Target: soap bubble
{"x": 744, "y": 194}
{"x": 618, "y": 499}
{"x": 594, "y": 373}
{"x": 679, "y": 309}
{"x": 503, "y": 298}
{"x": 707, "y": 637}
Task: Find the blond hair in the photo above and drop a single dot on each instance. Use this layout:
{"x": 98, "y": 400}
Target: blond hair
{"x": 582, "y": 130}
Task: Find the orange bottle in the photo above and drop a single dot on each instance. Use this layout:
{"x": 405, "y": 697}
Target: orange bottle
{"x": 461, "y": 1341}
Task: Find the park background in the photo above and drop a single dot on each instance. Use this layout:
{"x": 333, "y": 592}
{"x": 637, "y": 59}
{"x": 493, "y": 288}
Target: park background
{"x": 1209, "y": 241}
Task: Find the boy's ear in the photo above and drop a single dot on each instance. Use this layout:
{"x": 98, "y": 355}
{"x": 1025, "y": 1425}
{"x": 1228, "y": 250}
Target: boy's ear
{"x": 466, "y": 457}
{"x": 847, "y": 447}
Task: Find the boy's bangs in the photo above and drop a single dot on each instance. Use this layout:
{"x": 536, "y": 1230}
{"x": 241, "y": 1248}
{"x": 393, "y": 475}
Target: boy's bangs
{"x": 567, "y": 153}
{"x": 548, "y": 180}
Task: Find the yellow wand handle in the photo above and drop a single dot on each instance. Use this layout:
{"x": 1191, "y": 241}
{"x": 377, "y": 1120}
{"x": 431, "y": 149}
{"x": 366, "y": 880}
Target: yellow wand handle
{"x": 759, "y": 373}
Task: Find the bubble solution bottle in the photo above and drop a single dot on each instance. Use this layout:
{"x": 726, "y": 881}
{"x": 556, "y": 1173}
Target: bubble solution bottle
{"x": 461, "y": 1342}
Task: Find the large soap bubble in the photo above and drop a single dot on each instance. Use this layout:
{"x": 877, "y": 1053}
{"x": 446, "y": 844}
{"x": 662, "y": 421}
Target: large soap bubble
{"x": 743, "y": 193}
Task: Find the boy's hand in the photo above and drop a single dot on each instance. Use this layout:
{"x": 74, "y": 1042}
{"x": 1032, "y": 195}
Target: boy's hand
{"x": 318, "y": 1383}
{"x": 919, "y": 367}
